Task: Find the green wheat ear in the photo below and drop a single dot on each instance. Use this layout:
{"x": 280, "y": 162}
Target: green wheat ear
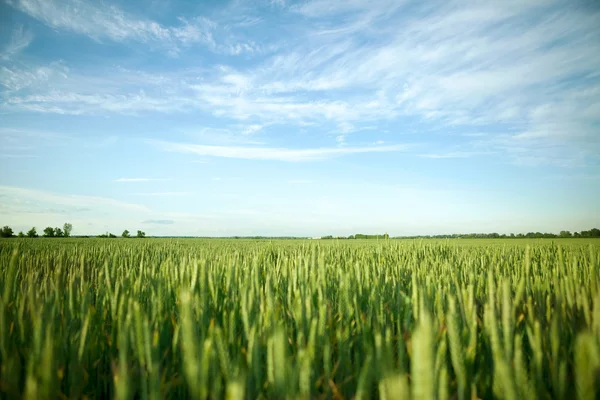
{"x": 456, "y": 349}
{"x": 205, "y": 319}
{"x": 587, "y": 366}
{"x": 394, "y": 387}
{"x": 422, "y": 360}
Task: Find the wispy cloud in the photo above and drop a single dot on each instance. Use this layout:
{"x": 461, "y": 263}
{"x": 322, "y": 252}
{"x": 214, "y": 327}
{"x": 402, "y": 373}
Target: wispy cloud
{"x": 455, "y": 154}
{"x": 251, "y": 129}
{"x": 159, "y": 221}
{"x": 20, "y": 39}
{"x": 9, "y": 155}
{"x": 34, "y": 200}
{"x": 63, "y": 102}
{"x": 102, "y": 22}
{"x": 238, "y": 134}
{"x": 132, "y": 180}
{"x": 274, "y": 154}
{"x": 527, "y": 69}
{"x": 335, "y": 8}
{"x": 152, "y": 194}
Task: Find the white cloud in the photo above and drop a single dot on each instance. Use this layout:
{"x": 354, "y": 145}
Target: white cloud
{"x": 346, "y": 127}
{"x": 89, "y": 19}
{"x": 129, "y": 180}
{"x": 101, "y": 22}
{"x": 153, "y": 194}
{"x": 454, "y": 154}
{"x": 527, "y": 68}
{"x": 15, "y": 78}
{"x": 8, "y": 155}
{"x": 22, "y": 208}
{"x": 27, "y": 135}
{"x": 251, "y": 129}
{"x": 238, "y": 134}
{"x": 329, "y": 8}
{"x": 25, "y": 200}
{"x": 273, "y": 154}
{"x": 159, "y": 221}
{"x": 57, "y": 102}
{"x": 20, "y": 39}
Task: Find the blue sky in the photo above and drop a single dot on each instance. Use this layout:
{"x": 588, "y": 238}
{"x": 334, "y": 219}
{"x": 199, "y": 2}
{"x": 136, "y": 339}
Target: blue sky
{"x": 300, "y": 118}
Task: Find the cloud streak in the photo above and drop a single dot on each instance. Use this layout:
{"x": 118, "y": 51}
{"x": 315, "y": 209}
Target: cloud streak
{"x": 159, "y": 194}
{"x": 272, "y": 153}
{"x": 101, "y": 22}
{"x": 524, "y": 72}
{"x": 454, "y": 154}
{"x": 20, "y": 39}
{"x": 35, "y": 199}
{"x": 134, "y": 180}
{"x": 159, "y": 221}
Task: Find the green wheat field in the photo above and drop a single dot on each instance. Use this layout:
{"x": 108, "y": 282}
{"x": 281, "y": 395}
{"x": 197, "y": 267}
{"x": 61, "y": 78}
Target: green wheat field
{"x": 299, "y": 319}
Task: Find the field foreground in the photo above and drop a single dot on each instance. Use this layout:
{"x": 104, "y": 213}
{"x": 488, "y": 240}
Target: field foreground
{"x": 237, "y": 319}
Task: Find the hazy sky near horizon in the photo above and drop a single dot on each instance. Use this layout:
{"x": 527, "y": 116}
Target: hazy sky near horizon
{"x": 300, "y": 118}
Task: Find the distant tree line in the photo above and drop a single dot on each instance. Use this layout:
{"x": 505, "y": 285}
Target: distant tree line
{"x": 7, "y": 232}
{"x": 592, "y": 233}
{"x": 125, "y": 234}
{"x": 253, "y": 237}
{"x": 50, "y": 232}
{"x": 357, "y": 236}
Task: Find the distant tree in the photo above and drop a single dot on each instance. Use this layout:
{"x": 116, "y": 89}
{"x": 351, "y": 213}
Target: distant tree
{"x": 386, "y": 236}
{"x": 21, "y": 234}
{"x": 592, "y": 233}
{"x": 32, "y": 233}
{"x": 67, "y": 228}
{"x": 125, "y": 234}
{"x": 107, "y": 235}
{"x": 6, "y": 232}
{"x": 58, "y": 232}
{"x": 141, "y": 234}
{"x": 49, "y": 232}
